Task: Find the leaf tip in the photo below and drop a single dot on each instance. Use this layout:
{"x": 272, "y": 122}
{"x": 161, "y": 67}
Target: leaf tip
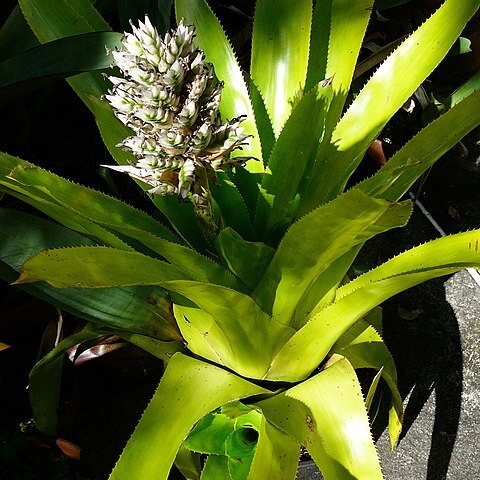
{"x": 24, "y": 278}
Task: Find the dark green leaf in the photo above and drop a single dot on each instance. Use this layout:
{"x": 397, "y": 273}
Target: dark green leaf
{"x": 157, "y": 10}
{"x": 44, "y": 383}
{"x": 15, "y": 35}
{"x": 135, "y": 309}
{"x": 57, "y": 59}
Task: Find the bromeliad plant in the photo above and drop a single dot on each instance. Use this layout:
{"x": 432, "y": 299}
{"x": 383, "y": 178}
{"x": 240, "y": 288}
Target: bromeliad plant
{"x": 264, "y": 310}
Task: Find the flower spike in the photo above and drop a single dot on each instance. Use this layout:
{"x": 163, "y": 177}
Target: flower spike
{"x": 169, "y": 96}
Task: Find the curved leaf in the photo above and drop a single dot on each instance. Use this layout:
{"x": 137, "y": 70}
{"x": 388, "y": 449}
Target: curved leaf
{"x": 58, "y": 59}
{"x": 389, "y": 87}
{"x": 280, "y": 47}
{"x": 44, "y": 381}
{"x": 188, "y": 390}
{"x": 309, "y": 346}
{"x": 424, "y": 149}
{"x": 304, "y": 252}
{"x": 135, "y": 309}
{"x": 222, "y": 434}
{"x": 291, "y": 159}
{"x": 327, "y": 414}
{"x": 364, "y": 348}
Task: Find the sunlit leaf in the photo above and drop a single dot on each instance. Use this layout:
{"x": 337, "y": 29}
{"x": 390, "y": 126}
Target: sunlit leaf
{"x": 326, "y": 414}
{"x": 309, "y": 346}
{"x": 423, "y": 150}
{"x": 386, "y": 91}
{"x": 303, "y": 254}
{"x": 188, "y": 390}
{"x": 280, "y": 46}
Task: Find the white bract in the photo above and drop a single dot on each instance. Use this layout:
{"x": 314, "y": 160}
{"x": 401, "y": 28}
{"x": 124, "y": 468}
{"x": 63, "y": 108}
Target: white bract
{"x": 169, "y": 96}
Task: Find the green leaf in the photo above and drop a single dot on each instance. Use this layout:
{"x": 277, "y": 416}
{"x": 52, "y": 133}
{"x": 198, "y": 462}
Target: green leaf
{"x": 276, "y": 455}
{"x": 461, "y": 46}
{"x": 188, "y": 390}
{"x": 240, "y": 255}
{"x": 57, "y": 59}
{"x": 157, "y": 10}
{"x": 386, "y": 91}
{"x": 372, "y": 390}
{"x": 100, "y": 267}
{"x": 338, "y": 29}
{"x": 291, "y": 159}
{"x": 232, "y": 437}
{"x": 309, "y": 346}
{"x": 423, "y": 150}
{"x": 54, "y": 19}
{"x": 233, "y": 317}
{"x": 44, "y": 382}
{"x": 96, "y": 267}
{"x": 462, "y": 92}
{"x": 192, "y": 263}
{"x": 188, "y": 463}
{"x": 15, "y": 35}
{"x": 144, "y": 310}
{"x": 327, "y": 415}
{"x": 210, "y": 434}
{"x": 215, "y": 467}
{"x": 264, "y": 124}
{"x": 303, "y": 253}
{"x": 103, "y": 218}
{"x": 322, "y": 291}
{"x": 280, "y": 47}
{"x": 94, "y": 206}
{"x": 234, "y": 212}
{"x": 364, "y": 348}
{"x": 235, "y": 98}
